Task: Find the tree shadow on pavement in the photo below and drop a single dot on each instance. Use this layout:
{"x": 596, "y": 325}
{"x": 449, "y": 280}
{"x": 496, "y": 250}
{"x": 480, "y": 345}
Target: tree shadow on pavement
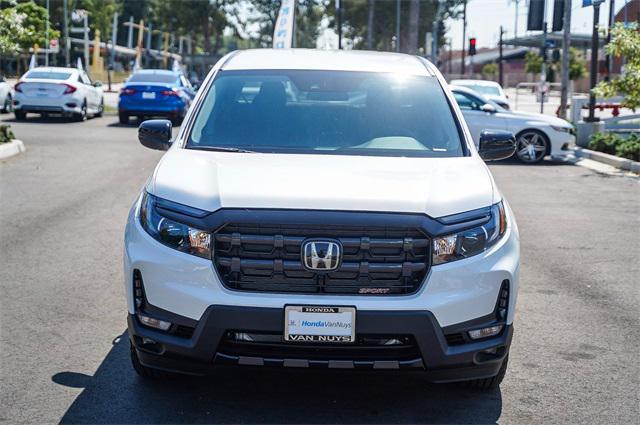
{"x": 115, "y": 394}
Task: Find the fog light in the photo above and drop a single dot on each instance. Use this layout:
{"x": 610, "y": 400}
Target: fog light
{"x": 154, "y": 323}
{"x": 485, "y": 332}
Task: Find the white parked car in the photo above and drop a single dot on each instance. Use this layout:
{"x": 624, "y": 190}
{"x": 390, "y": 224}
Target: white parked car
{"x": 51, "y": 90}
{"x": 322, "y": 209}
{"x": 537, "y": 135}
{"x": 5, "y": 96}
{"x": 489, "y": 89}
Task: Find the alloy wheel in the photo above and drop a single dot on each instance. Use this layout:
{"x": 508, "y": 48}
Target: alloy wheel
{"x": 531, "y": 147}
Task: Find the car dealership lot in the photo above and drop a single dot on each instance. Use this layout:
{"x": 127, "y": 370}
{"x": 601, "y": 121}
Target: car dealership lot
{"x": 62, "y": 311}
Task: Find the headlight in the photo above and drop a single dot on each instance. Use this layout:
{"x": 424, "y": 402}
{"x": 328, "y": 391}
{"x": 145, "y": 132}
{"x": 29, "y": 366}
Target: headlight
{"x": 171, "y": 233}
{"x": 562, "y": 129}
{"x": 472, "y": 241}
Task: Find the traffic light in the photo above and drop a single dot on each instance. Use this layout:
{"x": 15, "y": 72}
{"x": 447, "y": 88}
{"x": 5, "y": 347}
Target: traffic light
{"x": 535, "y": 18}
{"x": 472, "y": 46}
{"x": 558, "y": 15}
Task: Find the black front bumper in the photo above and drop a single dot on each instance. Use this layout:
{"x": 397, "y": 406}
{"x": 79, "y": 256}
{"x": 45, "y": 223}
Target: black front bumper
{"x": 205, "y": 348}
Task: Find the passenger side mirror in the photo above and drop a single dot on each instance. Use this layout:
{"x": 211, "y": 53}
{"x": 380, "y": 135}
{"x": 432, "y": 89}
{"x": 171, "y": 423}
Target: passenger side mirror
{"x": 487, "y": 107}
{"x": 97, "y": 84}
{"x": 496, "y": 145}
{"x": 155, "y": 134}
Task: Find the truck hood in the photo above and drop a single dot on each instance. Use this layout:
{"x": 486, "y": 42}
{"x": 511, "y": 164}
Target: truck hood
{"x": 211, "y": 180}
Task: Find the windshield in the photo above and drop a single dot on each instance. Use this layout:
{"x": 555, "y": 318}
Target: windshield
{"x": 45, "y": 75}
{"x": 483, "y": 89}
{"x": 148, "y": 77}
{"x": 347, "y": 113}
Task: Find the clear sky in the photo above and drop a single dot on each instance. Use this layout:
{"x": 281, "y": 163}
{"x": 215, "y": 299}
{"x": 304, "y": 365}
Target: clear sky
{"x": 484, "y": 18}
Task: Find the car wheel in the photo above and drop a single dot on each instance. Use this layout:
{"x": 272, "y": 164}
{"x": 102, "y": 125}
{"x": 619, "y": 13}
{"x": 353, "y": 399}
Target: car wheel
{"x": 82, "y": 116}
{"x": 531, "y": 146}
{"x": 490, "y": 383}
{"x": 20, "y": 116}
{"x": 123, "y": 118}
{"x": 8, "y": 102}
{"x": 100, "y": 109}
{"x": 144, "y": 371}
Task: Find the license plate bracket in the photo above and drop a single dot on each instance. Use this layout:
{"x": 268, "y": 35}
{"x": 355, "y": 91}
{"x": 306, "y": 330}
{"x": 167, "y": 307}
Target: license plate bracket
{"x": 319, "y": 324}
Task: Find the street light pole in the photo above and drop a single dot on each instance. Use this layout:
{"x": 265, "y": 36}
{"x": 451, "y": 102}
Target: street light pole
{"x": 339, "y": 16}
{"x": 500, "y": 75}
{"x": 46, "y": 48}
{"x": 397, "y": 25}
{"x": 612, "y": 5}
{"x": 594, "y": 60}
{"x": 566, "y": 46}
{"x": 464, "y": 33}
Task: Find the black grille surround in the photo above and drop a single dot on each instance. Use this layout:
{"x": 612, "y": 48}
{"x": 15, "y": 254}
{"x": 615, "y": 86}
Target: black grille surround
{"x": 376, "y": 260}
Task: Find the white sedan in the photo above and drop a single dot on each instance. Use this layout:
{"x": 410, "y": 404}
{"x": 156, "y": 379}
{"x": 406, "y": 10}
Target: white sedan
{"x": 51, "y": 90}
{"x": 489, "y": 89}
{"x": 537, "y": 135}
{"x": 5, "y": 96}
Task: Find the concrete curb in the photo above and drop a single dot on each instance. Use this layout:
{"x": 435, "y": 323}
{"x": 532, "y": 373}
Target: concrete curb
{"x": 605, "y": 158}
{"x": 12, "y": 148}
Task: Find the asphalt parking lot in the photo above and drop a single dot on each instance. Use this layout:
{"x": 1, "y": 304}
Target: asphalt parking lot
{"x": 64, "y": 348}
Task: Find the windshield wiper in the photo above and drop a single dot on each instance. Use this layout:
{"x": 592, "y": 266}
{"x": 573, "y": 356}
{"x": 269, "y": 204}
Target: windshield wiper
{"x": 223, "y": 149}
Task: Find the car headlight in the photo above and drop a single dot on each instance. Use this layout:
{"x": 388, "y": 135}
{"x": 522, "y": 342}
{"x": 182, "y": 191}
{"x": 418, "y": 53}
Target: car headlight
{"x": 471, "y": 242}
{"x": 562, "y": 129}
{"x": 171, "y": 233}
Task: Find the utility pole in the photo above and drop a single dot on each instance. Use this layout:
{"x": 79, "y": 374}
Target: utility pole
{"x": 46, "y": 35}
{"x": 370, "y": 15}
{"x": 339, "y": 16}
{"x": 398, "y": 26}
{"x": 612, "y": 5}
{"x": 566, "y": 45}
{"x": 130, "y": 34}
{"x": 464, "y": 33}
{"x": 434, "y": 39}
{"x": 515, "y": 28}
{"x": 594, "y": 60}
{"x": 500, "y": 74}
{"x": 543, "y": 74}
{"x": 67, "y": 41}
{"x": 450, "y": 55}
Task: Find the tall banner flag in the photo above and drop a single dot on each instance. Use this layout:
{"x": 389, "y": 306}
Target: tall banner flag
{"x": 283, "y": 32}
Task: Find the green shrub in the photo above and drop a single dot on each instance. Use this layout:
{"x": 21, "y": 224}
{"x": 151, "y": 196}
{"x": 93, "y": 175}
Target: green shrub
{"x": 629, "y": 148}
{"x": 613, "y": 144}
{"x": 6, "y": 135}
{"x": 604, "y": 142}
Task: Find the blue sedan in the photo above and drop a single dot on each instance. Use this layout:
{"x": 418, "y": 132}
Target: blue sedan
{"x": 155, "y": 93}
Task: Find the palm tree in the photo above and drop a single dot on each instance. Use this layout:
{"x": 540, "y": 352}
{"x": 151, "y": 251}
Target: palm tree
{"x": 370, "y": 18}
{"x": 414, "y": 18}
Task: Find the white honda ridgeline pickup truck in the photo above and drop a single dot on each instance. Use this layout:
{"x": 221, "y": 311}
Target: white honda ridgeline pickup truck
{"x": 322, "y": 209}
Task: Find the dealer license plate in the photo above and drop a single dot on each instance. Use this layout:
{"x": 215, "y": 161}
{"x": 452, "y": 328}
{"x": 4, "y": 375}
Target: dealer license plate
{"x": 309, "y": 323}
{"x": 148, "y": 95}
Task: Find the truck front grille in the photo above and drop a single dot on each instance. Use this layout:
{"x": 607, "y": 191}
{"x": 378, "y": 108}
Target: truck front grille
{"x": 375, "y": 261}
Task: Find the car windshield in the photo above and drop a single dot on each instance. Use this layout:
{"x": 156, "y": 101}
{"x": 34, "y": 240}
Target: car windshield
{"x": 339, "y": 112}
{"x": 45, "y": 75}
{"x": 484, "y": 89}
{"x": 148, "y": 77}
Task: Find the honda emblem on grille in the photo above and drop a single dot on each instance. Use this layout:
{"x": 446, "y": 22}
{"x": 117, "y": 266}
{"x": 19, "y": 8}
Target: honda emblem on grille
{"x": 321, "y": 255}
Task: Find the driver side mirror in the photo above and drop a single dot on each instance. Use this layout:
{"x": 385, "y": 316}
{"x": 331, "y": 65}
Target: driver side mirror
{"x": 155, "y": 134}
{"x": 97, "y": 84}
{"x": 496, "y": 145}
{"x": 487, "y": 107}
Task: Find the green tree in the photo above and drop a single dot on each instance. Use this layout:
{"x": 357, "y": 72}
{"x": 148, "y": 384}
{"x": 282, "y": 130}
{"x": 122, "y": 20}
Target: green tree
{"x": 356, "y": 16}
{"x": 532, "y": 63}
{"x": 577, "y": 64}
{"x": 33, "y": 21}
{"x": 11, "y": 30}
{"x": 100, "y": 14}
{"x": 261, "y": 19}
{"x": 624, "y": 42}
{"x": 490, "y": 69}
